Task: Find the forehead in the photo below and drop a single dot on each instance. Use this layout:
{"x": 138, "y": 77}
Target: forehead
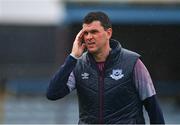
{"x": 93, "y": 25}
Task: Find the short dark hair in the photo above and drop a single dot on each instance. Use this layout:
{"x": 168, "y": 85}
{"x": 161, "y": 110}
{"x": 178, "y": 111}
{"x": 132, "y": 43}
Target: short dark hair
{"x": 98, "y": 16}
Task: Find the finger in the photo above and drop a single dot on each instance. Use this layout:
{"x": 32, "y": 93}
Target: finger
{"x": 83, "y": 46}
{"x": 80, "y": 34}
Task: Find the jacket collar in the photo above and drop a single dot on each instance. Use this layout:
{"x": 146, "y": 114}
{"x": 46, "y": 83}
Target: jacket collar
{"x": 112, "y": 57}
{"x": 115, "y": 46}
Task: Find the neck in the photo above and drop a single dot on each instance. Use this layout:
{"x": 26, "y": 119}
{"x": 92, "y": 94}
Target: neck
{"x": 102, "y": 56}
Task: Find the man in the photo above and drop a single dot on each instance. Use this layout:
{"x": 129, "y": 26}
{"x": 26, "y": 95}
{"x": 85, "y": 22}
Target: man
{"x": 112, "y": 83}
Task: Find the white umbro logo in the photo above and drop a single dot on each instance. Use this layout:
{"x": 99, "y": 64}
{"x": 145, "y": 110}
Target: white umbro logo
{"x": 85, "y": 75}
{"x": 117, "y": 74}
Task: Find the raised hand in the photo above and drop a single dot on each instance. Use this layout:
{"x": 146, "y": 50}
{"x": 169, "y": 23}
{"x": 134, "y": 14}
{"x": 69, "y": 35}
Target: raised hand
{"x": 78, "y": 45}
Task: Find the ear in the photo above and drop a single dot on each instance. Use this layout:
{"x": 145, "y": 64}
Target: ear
{"x": 109, "y": 32}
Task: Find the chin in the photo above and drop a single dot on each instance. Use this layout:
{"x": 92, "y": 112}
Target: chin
{"x": 91, "y": 51}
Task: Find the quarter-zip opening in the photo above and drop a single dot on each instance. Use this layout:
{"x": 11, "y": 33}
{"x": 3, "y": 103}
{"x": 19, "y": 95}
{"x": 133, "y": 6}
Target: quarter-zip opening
{"x": 100, "y": 67}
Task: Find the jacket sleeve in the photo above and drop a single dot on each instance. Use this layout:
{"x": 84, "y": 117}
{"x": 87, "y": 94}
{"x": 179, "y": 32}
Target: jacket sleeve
{"x": 58, "y": 87}
{"x": 154, "y": 111}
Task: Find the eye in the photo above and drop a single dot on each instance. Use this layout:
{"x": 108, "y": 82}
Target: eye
{"x": 85, "y": 33}
{"x": 94, "y": 31}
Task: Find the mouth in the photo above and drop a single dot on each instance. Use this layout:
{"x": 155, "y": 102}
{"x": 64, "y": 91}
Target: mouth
{"x": 90, "y": 43}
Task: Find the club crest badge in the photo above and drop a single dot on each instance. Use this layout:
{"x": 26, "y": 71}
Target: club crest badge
{"x": 117, "y": 74}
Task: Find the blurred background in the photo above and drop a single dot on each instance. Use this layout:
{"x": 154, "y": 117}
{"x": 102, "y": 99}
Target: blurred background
{"x": 37, "y": 35}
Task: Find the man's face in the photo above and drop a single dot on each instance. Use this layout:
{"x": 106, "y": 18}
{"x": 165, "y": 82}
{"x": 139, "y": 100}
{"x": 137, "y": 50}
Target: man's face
{"x": 96, "y": 37}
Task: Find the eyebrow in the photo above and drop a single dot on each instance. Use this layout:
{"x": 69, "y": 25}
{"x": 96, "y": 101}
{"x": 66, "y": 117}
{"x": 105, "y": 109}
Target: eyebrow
{"x": 91, "y": 31}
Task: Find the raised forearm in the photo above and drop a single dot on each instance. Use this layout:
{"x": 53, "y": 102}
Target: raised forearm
{"x": 58, "y": 84}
